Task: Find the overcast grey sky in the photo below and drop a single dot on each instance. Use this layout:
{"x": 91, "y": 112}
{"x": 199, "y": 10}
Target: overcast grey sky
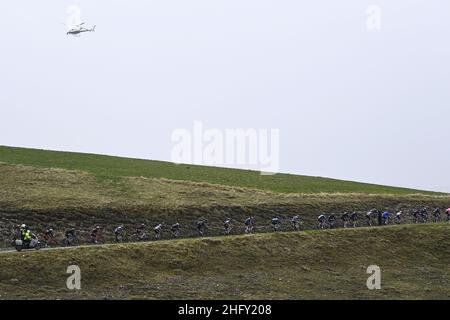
{"x": 350, "y": 103}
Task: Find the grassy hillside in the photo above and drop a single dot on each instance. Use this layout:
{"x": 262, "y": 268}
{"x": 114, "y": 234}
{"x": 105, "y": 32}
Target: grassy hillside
{"x": 111, "y": 168}
{"x": 43, "y": 197}
{"x": 109, "y": 191}
{"x": 296, "y": 265}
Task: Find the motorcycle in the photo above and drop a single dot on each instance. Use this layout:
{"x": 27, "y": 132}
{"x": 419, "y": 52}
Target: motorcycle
{"x": 33, "y": 244}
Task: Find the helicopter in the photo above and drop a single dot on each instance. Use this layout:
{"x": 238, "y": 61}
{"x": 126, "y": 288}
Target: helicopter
{"x": 78, "y": 29}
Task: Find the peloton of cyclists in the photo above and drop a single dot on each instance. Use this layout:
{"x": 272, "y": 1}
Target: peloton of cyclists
{"x": 324, "y": 221}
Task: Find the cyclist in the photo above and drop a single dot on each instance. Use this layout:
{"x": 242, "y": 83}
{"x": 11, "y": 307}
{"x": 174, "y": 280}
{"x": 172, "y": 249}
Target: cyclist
{"x": 332, "y": 220}
{"x": 227, "y": 226}
{"x": 386, "y": 216}
{"x": 95, "y": 235}
{"x": 354, "y": 219}
{"x": 201, "y": 227}
{"x": 321, "y": 219}
{"x": 276, "y": 223}
{"x": 118, "y": 234}
{"x": 416, "y": 215}
{"x": 175, "y": 230}
{"x": 424, "y": 214}
{"x": 399, "y": 217}
{"x": 380, "y": 217}
{"x": 249, "y": 226}
{"x": 158, "y": 231}
{"x": 295, "y": 221}
{"x": 140, "y": 231}
{"x": 437, "y": 214}
{"x": 344, "y": 218}
{"x": 49, "y": 236}
{"x": 70, "y": 237}
{"x": 369, "y": 216}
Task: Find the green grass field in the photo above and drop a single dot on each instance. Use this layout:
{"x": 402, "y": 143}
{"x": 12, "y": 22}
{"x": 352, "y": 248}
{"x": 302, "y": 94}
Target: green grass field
{"x": 414, "y": 262}
{"x": 60, "y": 190}
{"x": 112, "y": 168}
